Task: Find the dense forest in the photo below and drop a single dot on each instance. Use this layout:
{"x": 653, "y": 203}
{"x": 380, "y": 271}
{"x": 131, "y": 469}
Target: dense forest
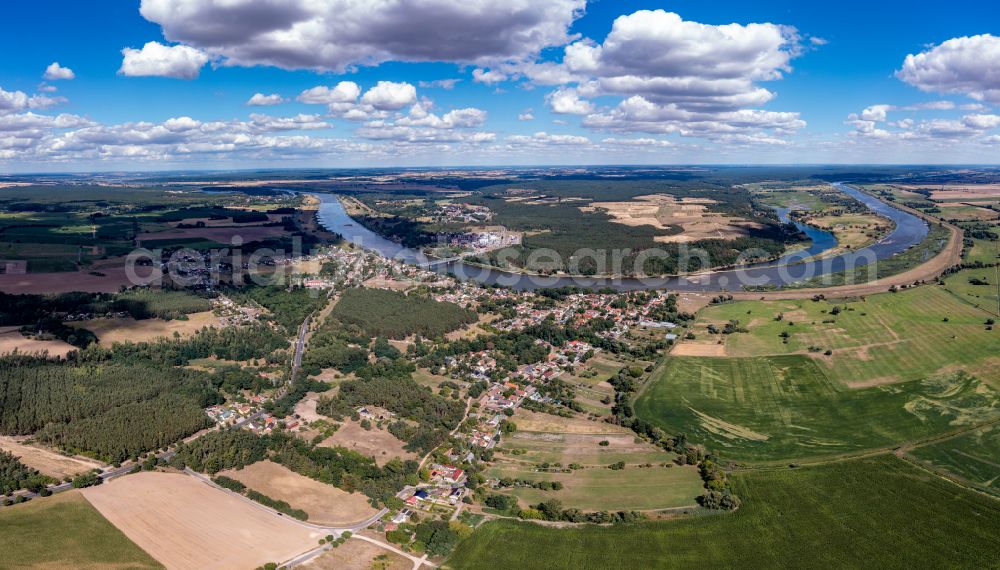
{"x": 129, "y": 430}
{"x": 336, "y": 345}
{"x": 109, "y": 411}
{"x": 397, "y": 316}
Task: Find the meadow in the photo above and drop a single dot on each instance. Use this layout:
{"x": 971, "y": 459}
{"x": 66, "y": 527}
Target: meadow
{"x": 65, "y": 531}
{"x": 974, "y": 457}
{"x": 603, "y": 489}
{"x": 544, "y": 445}
{"x": 884, "y": 338}
{"x": 786, "y": 407}
{"x": 877, "y": 512}
{"x": 977, "y": 287}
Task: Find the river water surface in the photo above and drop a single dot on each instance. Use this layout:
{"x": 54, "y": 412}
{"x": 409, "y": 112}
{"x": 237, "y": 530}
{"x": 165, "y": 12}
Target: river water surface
{"x": 790, "y": 268}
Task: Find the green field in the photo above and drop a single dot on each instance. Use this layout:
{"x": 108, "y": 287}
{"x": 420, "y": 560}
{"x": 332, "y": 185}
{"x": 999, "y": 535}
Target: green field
{"x": 883, "y": 338}
{"x": 983, "y": 251}
{"x": 602, "y": 489}
{"x": 871, "y": 513}
{"x": 974, "y": 456}
{"x": 785, "y": 407}
{"x": 983, "y": 297}
{"x": 64, "y": 531}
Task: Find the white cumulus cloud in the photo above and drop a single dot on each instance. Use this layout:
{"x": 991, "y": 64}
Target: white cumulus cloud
{"x": 388, "y": 95}
{"x": 967, "y": 65}
{"x": 261, "y": 100}
{"x": 568, "y": 101}
{"x": 55, "y": 71}
{"x": 158, "y": 60}
{"x": 335, "y": 35}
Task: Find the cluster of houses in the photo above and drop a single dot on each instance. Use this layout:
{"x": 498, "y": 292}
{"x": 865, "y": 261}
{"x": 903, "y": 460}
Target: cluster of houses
{"x": 463, "y": 213}
{"x": 231, "y": 313}
{"x": 481, "y": 242}
{"x": 500, "y": 397}
{"x": 231, "y": 414}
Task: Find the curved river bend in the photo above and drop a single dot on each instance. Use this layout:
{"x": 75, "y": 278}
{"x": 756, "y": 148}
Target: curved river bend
{"x": 790, "y": 268}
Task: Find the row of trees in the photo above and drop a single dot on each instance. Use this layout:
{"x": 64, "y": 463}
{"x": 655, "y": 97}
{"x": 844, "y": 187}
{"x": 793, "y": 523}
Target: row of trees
{"x": 343, "y": 468}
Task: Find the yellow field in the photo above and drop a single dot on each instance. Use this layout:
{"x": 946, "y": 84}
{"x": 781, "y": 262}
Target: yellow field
{"x": 186, "y": 523}
{"x": 110, "y": 331}
{"x": 325, "y": 504}
{"x": 11, "y": 339}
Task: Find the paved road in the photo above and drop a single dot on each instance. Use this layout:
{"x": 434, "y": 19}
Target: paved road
{"x": 300, "y": 347}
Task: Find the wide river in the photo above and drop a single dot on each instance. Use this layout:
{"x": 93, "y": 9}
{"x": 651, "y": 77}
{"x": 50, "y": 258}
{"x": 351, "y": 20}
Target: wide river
{"x": 790, "y": 268}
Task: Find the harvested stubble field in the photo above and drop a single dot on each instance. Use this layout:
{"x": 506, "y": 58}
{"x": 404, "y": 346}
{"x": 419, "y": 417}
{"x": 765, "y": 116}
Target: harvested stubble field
{"x": 64, "y": 532}
{"x": 185, "y": 523}
{"x": 786, "y": 407}
{"x": 946, "y": 192}
{"x": 46, "y": 461}
{"x": 325, "y": 504}
{"x": 663, "y": 211}
{"x": 127, "y": 329}
{"x": 883, "y": 338}
{"x": 877, "y": 512}
{"x": 11, "y": 339}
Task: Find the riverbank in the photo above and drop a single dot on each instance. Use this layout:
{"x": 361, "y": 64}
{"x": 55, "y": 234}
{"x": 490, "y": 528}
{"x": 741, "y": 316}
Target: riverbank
{"x": 911, "y": 229}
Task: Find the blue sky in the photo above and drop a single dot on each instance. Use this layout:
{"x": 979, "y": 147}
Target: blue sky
{"x": 685, "y": 82}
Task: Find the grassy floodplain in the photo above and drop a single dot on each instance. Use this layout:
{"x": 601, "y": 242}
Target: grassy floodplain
{"x": 881, "y": 339}
{"x": 603, "y": 489}
{"x": 785, "y": 407}
{"x": 65, "y": 531}
{"x": 877, "y": 512}
{"x": 968, "y": 286}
